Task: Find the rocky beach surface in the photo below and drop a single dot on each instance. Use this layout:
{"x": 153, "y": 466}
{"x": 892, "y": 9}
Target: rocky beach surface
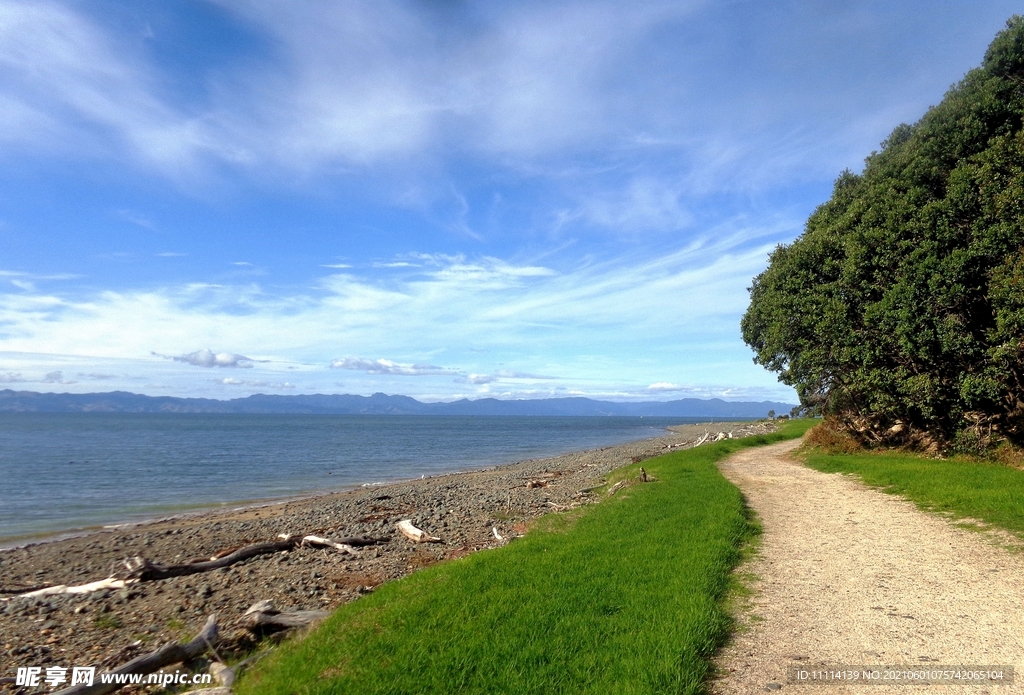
{"x": 107, "y": 628}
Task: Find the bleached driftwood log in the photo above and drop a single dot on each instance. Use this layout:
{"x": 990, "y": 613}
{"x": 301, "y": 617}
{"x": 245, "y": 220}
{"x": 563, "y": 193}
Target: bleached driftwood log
{"x": 327, "y": 542}
{"x": 148, "y": 663}
{"x": 225, "y": 675}
{"x": 139, "y": 569}
{"x": 263, "y": 614}
{"x": 702, "y": 439}
{"x": 497, "y": 535}
{"x": 108, "y": 583}
{"x": 414, "y": 534}
{"x": 143, "y": 570}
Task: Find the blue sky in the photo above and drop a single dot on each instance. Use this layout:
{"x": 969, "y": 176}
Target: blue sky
{"x": 436, "y": 198}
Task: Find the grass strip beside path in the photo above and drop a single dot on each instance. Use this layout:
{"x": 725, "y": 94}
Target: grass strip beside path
{"x": 620, "y": 597}
{"x": 989, "y": 492}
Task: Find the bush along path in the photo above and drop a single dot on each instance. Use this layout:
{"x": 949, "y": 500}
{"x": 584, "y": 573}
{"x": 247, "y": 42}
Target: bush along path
{"x": 620, "y": 597}
{"x": 848, "y": 575}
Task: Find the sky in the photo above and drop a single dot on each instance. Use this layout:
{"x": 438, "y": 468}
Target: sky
{"x": 436, "y": 198}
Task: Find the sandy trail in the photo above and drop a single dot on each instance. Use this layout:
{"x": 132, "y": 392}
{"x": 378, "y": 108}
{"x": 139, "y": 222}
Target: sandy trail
{"x": 850, "y": 575}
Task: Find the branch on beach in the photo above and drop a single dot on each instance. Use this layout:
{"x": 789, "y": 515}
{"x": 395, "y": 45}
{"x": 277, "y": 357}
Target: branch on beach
{"x": 164, "y": 656}
{"x": 109, "y": 583}
{"x": 263, "y": 615}
{"x": 318, "y": 542}
{"x": 20, "y": 590}
{"x": 414, "y": 534}
{"x": 707, "y": 435}
{"x": 143, "y": 570}
{"x": 139, "y": 569}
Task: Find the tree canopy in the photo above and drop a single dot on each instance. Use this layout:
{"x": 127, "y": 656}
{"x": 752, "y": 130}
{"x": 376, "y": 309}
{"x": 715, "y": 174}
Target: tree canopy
{"x": 900, "y": 309}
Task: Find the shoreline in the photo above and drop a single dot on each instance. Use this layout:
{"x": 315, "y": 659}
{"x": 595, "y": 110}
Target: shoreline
{"x": 461, "y": 508}
{"x": 167, "y": 511}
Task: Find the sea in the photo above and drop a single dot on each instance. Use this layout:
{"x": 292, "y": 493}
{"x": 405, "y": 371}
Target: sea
{"x": 68, "y": 472}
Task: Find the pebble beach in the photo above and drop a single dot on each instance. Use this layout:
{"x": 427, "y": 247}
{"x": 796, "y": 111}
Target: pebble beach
{"x": 108, "y": 627}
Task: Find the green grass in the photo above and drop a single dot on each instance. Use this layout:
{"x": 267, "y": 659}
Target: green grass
{"x": 620, "y": 597}
{"x": 990, "y": 492}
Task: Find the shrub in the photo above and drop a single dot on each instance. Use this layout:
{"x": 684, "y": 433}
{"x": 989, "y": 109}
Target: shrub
{"x": 831, "y": 439}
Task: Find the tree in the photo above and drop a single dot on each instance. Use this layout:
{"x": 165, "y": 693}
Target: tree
{"x": 899, "y": 312}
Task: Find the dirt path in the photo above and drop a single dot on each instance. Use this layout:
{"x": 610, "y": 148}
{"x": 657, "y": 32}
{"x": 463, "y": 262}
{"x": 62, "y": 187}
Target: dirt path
{"x": 850, "y": 575}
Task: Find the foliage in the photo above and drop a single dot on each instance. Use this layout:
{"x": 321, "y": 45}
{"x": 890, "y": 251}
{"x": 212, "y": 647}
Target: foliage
{"x": 900, "y": 309}
{"x": 624, "y": 596}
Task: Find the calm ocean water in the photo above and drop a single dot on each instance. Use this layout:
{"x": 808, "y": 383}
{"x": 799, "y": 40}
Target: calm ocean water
{"x": 65, "y": 471}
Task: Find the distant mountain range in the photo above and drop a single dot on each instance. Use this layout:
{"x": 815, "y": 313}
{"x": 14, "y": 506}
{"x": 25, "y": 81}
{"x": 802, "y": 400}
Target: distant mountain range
{"x": 377, "y": 404}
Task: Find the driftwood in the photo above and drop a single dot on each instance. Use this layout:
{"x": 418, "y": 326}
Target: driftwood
{"x": 21, "y": 590}
{"x": 354, "y": 541}
{"x": 224, "y": 675}
{"x": 264, "y": 615}
{"x": 109, "y": 583}
{"x": 285, "y": 621}
{"x": 497, "y": 535}
{"x": 414, "y": 534}
{"x": 148, "y": 663}
{"x": 317, "y": 541}
{"x": 588, "y": 490}
{"x": 143, "y": 570}
{"x": 702, "y": 440}
{"x": 139, "y": 569}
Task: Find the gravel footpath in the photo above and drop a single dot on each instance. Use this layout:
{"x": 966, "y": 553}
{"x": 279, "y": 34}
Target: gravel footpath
{"x": 850, "y": 575}
{"x": 108, "y": 628}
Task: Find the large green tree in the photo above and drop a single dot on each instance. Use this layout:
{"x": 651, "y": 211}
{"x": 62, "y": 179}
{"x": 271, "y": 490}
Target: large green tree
{"x": 900, "y": 309}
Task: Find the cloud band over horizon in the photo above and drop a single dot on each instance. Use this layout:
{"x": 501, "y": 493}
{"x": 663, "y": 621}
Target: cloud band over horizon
{"x": 442, "y": 200}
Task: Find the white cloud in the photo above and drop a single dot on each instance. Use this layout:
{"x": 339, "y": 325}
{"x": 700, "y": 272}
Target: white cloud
{"x": 507, "y": 374}
{"x": 469, "y": 318}
{"x": 228, "y": 381}
{"x": 11, "y": 378}
{"x": 665, "y": 386}
{"x": 535, "y": 88}
{"x": 643, "y": 204}
{"x": 208, "y": 358}
{"x": 382, "y": 366}
{"x": 68, "y": 86}
{"x": 137, "y": 219}
{"x": 56, "y": 377}
{"x": 478, "y": 379}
